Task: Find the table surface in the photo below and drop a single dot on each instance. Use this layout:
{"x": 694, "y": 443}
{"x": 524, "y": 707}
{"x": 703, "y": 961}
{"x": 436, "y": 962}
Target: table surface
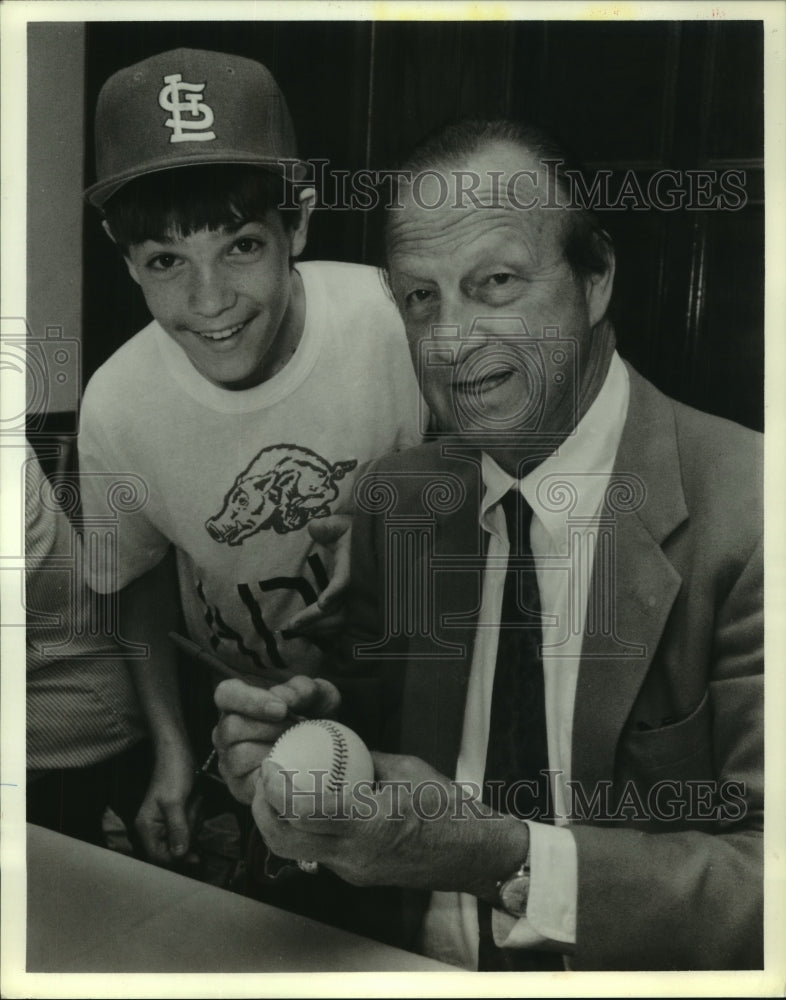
{"x": 94, "y": 910}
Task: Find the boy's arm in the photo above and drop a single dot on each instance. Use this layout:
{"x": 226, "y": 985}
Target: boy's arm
{"x": 149, "y": 608}
{"x": 141, "y": 569}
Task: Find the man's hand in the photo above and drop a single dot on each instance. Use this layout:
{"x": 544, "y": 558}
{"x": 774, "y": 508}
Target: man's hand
{"x": 416, "y": 829}
{"x": 167, "y": 816}
{"x": 252, "y": 719}
{"x": 325, "y": 617}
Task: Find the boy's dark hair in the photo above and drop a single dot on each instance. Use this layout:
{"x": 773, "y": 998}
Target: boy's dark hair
{"x": 184, "y": 201}
{"x": 453, "y": 143}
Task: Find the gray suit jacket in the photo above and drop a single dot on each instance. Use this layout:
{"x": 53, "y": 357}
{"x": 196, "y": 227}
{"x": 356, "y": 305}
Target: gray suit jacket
{"x": 668, "y": 723}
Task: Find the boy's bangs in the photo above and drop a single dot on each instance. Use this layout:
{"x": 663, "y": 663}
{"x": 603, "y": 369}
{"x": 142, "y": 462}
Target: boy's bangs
{"x": 176, "y": 203}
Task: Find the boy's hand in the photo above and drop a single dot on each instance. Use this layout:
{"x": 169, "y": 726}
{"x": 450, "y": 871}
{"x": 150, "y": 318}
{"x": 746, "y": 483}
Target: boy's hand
{"x": 252, "y": 719}
{"x": 326, "y": 616}
{"x": 167, "y": 815}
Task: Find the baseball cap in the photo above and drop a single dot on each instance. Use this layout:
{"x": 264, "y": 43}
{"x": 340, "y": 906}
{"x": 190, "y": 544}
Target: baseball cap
{"x": 189, "y": 107}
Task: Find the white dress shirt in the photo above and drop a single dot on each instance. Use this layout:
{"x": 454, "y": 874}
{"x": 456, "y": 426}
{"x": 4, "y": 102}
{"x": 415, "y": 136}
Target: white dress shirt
{"x": 566, "y": 493}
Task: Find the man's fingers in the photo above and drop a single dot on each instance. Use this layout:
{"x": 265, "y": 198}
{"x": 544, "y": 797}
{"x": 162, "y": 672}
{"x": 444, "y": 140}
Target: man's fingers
{"x": 329, "y": 697}
{"x": 291, "y": 827}
{"x": 240, "y": 784}
{"x": 238, "y": 759}
{"x": 253, "y": 702}
{"x": 303, "y": 799}
{"x": 243, "y": 742}
{"x": 233, "y": 728}
{"x": 310, "y": 696}
{"x": 251, "y": 713}
{"x": 299, "y": 694}
{"x": 400, "y": 767}
{"x": 278, "y": 835}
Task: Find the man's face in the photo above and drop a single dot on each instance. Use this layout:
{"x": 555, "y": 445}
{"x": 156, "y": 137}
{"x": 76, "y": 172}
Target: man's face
{"x": 225, "y": 297}
{"x": 499, "y": 326}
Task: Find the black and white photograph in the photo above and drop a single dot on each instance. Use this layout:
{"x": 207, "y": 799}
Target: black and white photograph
{"x": 391, "y": 477}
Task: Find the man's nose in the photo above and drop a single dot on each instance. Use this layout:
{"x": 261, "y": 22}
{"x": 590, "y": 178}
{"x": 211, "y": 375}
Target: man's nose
{"x": 211, "y": 292}
{"x": 458, "y": 318}
{"x": 459, "y": 329}
{"x": 471, "y": 326}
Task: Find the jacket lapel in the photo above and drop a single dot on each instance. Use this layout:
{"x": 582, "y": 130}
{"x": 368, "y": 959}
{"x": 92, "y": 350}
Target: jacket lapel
{"x": 635, "y": 580}
{"x": 439, "y": 658}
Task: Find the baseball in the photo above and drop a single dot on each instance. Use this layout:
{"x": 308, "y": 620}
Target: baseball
{"x": 316, "y": 746}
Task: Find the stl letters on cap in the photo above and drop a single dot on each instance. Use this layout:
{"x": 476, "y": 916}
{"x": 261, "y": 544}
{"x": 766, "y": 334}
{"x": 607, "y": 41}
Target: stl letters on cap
{"x": 196, "y": 127}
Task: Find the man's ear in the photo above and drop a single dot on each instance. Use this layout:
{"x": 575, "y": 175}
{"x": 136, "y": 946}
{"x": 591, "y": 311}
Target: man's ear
{"x": 599, "y": 284}
{"x": 131, "y": 269}
{"x": 298, "y": 235}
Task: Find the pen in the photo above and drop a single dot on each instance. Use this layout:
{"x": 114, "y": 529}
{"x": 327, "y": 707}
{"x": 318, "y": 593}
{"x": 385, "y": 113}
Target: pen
{"x": 196, "y": 653}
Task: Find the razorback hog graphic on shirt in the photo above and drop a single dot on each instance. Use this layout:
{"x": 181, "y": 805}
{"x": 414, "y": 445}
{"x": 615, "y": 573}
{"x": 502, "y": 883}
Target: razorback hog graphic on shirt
{"x": 283, "y": 488}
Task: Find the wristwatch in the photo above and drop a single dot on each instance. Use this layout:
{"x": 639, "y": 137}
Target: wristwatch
{"x": 513, "y": 892}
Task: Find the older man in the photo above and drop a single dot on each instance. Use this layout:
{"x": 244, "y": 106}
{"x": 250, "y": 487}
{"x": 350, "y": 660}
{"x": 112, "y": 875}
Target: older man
{"x": 559, "y": 602}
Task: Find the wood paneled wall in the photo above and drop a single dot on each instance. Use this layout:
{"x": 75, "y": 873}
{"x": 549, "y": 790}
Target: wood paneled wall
{"x": 684, "y": 96}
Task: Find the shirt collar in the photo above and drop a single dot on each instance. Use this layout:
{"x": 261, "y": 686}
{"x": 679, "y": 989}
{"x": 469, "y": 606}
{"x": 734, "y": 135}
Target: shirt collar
{"x": 578, "y": 470}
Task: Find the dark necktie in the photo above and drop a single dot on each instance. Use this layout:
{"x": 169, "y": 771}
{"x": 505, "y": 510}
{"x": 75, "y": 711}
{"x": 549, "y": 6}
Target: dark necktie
{"x": 517, "y": 748}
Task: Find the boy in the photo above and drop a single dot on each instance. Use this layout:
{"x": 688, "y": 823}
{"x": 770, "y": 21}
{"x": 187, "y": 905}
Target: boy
{"x": 245, "y": 408}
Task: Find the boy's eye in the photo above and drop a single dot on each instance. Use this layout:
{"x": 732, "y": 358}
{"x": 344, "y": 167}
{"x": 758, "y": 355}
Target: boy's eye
{"x": 162, "y": 262}
{"x": 246, "y": 244}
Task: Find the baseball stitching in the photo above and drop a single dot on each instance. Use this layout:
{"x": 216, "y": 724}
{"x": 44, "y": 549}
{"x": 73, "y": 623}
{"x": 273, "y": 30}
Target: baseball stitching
{"x": 340, "y": 755}
{"x": 339, "y": 747}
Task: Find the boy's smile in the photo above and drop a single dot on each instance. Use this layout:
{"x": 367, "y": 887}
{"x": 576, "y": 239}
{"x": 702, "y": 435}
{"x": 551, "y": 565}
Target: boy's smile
{"x": 223, "y": 334}
{"x": 229, "y": 298}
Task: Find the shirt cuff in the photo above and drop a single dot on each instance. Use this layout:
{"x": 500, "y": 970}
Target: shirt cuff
{"x": 553, "y": 893}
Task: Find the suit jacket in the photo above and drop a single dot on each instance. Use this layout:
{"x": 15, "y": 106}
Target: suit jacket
{"x": 668, "y": 723}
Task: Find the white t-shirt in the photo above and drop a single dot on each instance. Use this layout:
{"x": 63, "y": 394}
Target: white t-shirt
{"x": 232, "y": 478}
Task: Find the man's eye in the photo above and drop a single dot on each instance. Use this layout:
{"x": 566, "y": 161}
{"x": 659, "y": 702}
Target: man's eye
{"x": 419, "y": 296}
{"x": 500, "y": 288}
